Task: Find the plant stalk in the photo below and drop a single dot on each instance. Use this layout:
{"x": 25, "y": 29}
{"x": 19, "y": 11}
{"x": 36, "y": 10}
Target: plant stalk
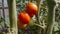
{"x": 12, "y": 16}
{"x": 51, "y": 16}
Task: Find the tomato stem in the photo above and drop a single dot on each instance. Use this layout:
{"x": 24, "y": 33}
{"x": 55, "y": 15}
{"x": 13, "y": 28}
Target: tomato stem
{"x": 40, "y": 25}
{"x": 37, "y": 17}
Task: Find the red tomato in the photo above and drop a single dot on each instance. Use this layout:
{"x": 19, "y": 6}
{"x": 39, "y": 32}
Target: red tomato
{"x": 31, "y": 15}
{"x": 24, "y": 17}
{"x": 21, "y": 25}
{"x": 31, "y": 8}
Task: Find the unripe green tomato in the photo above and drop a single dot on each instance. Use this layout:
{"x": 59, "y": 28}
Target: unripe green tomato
{"x": 31, "y": 24}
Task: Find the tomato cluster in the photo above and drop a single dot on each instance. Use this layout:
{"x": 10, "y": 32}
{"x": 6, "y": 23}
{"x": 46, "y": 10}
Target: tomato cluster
{"x": 25, "y": 16}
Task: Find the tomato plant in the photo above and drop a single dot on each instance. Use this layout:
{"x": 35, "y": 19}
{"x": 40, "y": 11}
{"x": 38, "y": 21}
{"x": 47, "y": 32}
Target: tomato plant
{"x": 31, "y": 8}
{"x": 24, "y": 17}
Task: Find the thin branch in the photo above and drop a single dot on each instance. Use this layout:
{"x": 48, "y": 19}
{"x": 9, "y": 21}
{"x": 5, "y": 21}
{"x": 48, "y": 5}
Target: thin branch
{"x": 37, "y": 17}
{"x": 40, "y": 26}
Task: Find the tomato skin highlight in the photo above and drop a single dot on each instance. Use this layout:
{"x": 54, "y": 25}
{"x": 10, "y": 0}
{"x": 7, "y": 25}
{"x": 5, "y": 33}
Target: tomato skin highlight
{"x": 24, "y": 17}
{"x": 21, "y": 25}
{"x": 31, "y": 8}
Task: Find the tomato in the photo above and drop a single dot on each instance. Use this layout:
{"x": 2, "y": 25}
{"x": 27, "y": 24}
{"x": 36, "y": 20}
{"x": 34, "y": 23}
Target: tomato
{"x": 31, "y": 24}
{"x": 21, "y": 25}
{"x": 31, "y": 8}
{"x": 24, "y": 17}
{"x": 31, "y": 15}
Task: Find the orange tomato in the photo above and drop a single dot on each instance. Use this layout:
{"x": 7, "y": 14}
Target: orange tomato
{"x": 31, "y": 8}
{"x": 24, "y": 17}
{"x": 21, "y": 25}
